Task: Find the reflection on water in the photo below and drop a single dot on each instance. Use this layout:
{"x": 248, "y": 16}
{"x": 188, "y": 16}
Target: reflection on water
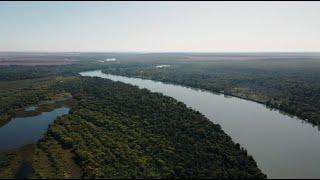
{"x": 282, "y": 146}
{"x": 31, "y": 108}
{"x": 23, "y": 171}
{"x": 25, "y": 130}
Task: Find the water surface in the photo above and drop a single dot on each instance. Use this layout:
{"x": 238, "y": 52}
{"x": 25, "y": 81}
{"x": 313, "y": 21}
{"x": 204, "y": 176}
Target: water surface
{"x": 24, "y": 130}
{"x": 283, "y": 146}
{"x": 31, "y": 108}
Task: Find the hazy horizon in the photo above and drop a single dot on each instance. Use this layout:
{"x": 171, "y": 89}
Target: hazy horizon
{"x": 208, "y": 27}
{"x": 225, "y": 52}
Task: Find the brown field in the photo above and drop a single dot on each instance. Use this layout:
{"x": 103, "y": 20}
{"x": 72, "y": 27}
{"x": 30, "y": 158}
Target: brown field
{"x": 35, "y": 61}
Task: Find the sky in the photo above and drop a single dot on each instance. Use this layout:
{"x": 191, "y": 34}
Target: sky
{"x": 160, "y": 26}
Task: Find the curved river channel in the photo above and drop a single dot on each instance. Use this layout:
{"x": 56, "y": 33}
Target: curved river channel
{"x": 283, "y": 146}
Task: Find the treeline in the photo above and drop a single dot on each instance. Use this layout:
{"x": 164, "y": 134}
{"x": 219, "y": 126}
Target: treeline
{"x": 116, "y": 130}
{"x": 291, "y": 85}
{"x": 15, "y": 72}
{"x": 15, "y": 95}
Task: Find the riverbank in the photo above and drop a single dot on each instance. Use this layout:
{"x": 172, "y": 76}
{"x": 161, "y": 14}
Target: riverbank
{"x": 246, "y": 95}
{"x": 115, "y": 128}
{"x": 274, "y": 139}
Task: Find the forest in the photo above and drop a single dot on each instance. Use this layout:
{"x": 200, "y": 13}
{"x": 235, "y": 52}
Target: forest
{"x": 290, "y": 83}
{"x": 114, "y": 130}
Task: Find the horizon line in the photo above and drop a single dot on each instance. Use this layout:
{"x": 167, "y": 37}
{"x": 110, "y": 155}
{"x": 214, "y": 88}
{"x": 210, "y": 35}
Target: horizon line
{"x": 31, "y": 51}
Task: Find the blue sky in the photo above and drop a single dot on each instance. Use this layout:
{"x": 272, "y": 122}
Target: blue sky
{"x": 160, "y": 26}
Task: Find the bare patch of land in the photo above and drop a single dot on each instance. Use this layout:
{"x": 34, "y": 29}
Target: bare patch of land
{"x": 34, "y": 61}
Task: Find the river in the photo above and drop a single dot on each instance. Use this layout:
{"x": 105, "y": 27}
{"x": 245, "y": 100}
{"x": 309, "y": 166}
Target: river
{"x": 283, "y": 146}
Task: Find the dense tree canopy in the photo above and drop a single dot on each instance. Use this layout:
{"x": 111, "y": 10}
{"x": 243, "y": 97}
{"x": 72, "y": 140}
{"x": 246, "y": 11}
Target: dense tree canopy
{"x": 288, "y": 84}
{"x": 115, "y": 130}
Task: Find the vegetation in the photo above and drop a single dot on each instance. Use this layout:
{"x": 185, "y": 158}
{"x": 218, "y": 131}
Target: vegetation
{"x": 115, "y": 130}
{"x": 17, "y": 95}
{"x": 290, "y": 83}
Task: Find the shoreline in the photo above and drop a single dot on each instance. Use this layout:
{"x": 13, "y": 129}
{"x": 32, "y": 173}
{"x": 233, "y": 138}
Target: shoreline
{"x": 224, "y": 93}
